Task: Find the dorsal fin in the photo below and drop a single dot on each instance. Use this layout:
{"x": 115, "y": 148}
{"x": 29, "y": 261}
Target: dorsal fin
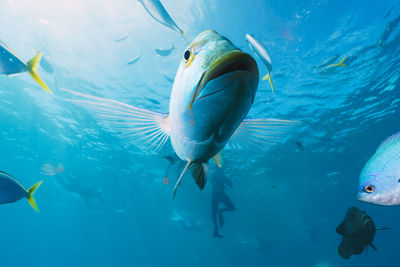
{"x": 393, "y": 138}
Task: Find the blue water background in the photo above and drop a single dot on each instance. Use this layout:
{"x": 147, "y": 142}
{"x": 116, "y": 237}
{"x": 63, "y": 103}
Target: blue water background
{"x": 288, "y": 202}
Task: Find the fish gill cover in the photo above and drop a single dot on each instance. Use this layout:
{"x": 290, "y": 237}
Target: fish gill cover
{"x": 106, "y": 202}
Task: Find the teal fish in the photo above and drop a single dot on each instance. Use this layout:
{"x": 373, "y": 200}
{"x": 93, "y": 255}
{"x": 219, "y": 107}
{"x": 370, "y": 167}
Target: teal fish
{"x": 10, "y": 64}
{"x": 332, "y": 67}
{"x": 263, "y": 54}
{"x": 212, "y": 93}
{"x": 158, "y": 12}
{"x": 11, "y": 190}
{"x": 165, "y": 52}
{"x": 379, "y": 181}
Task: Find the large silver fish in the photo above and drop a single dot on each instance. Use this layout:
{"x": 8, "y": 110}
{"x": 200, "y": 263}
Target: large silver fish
{"x": 158, "y": 12}
{"x": 214, "y": 88}
{"x": 10, "y": 64}
{"x": 379, "y": 181}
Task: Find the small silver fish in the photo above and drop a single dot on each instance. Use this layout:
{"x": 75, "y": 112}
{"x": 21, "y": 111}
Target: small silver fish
{"x": 158, "y": 12}
{"x": 165, "y": 52}
{"x": 121, "y": 38}
{"x": 11, "y": 190}
{"x": 262, "y": 54}
{"x": 10, "y": 64}
{"x": 134, "y": 60}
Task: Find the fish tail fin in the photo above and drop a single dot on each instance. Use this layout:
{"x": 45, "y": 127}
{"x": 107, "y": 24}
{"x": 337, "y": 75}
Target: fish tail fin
{"x": 199, "y": 173}
{"x": 180, "y": 179}
{"x": 383, "y": 228}
{"x": 341, "y": 63}
{"x": 269, "y": 78}
{"x": 32, "y": 69}
{"x": 373, "y": 246}
{"x": 31, "y": 191}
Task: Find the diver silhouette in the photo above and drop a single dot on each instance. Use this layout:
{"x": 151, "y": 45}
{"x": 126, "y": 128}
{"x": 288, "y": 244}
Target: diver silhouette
{"x": 218, "y": 182}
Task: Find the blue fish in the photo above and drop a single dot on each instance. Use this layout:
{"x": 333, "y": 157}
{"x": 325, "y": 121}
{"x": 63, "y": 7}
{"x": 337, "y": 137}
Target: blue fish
{"x": 11, "y": 190}
{"x": 379, "y": 181}
{"x": 10, "y": 64}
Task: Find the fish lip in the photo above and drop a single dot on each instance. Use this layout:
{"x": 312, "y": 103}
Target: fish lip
{"x": 230, "y": 62}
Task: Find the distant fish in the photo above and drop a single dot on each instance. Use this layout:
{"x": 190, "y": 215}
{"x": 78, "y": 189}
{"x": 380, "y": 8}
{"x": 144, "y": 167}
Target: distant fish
{"x": 379, "y": 181}
{"x": 46, "y": 65}
{"x": 10, "y": 64}
{"x": 11, "y": 190}
{"x": 388, "y": 30}
{"x": 152, "y": 101}
{"x": 331, "y": 67}
{"x": 121, "y": 38}
{"x": 171, "y": 80}
{"x": 358, "y": 231}
{"x": 263, "y": 54}
{"x": 158, "y": 12}
{"x": 134, "y": 60}
{"x": 165, "y": 52}
{"x": 49, "y": 170}
{"x": 300, "y": 146}
{"x": 327, "y": 62}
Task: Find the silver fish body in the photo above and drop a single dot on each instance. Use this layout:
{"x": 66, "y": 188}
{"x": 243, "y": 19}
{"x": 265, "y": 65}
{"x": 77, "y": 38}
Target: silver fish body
{"x": 225, "y": 80}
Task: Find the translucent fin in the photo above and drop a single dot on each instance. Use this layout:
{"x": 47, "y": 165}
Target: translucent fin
{"x": 219, "y": 159}
{"x": 30, "y": 192}
{"x": 340, "y": 63}
{"x": 269, "y": 78}
{"x": 32, "y": 70}
{"x": 199, "y": 172}
{"x": 147, "y": 129}
{"x": 180, "y": 179}
{"x": 258, "y": 133}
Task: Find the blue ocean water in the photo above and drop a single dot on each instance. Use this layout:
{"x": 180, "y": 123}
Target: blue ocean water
{"x": 107, "y": 203}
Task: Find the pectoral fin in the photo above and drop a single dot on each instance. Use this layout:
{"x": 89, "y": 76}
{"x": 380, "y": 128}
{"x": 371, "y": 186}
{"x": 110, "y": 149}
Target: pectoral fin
{"x": 219, "y": 159}
{"x": 147, "y": 129}
{"x": 258, "y": 133}
{"x": 373, "y": 246}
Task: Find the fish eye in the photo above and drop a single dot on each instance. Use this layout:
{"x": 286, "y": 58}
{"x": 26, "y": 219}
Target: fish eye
{"x": 369, "y": 189}
{"x": 188, "y": 56}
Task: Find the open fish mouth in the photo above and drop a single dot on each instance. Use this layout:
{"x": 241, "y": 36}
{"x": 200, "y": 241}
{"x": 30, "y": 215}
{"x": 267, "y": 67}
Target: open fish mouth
{"x": 231, "y": 62}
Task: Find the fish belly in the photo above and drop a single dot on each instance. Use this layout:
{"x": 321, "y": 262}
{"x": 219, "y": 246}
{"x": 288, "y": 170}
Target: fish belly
{"x": 200, "y": 133}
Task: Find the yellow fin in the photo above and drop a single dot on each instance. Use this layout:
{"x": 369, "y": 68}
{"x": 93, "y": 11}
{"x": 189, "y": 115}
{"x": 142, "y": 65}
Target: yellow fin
{"x": 269, "y": 78}
{"x": 219, "y": 159}
{"x": 340, "y": 63}
{"x": 32, "y": 69}
{"x": 30, "y": 197}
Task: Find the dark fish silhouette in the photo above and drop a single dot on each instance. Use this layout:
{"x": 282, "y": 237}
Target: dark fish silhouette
{"x": 358, "y": 231}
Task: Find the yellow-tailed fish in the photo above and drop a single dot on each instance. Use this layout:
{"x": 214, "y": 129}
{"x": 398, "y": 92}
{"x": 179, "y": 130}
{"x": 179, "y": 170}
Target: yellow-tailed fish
{"x": 158, "y": 12}
{"x": 10, "y": 64}
{"x": 11, "y": 190}
{"x": 259, "y": 50}
{"x": 213, "y": 90}
{"x": 332, "y": 67}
